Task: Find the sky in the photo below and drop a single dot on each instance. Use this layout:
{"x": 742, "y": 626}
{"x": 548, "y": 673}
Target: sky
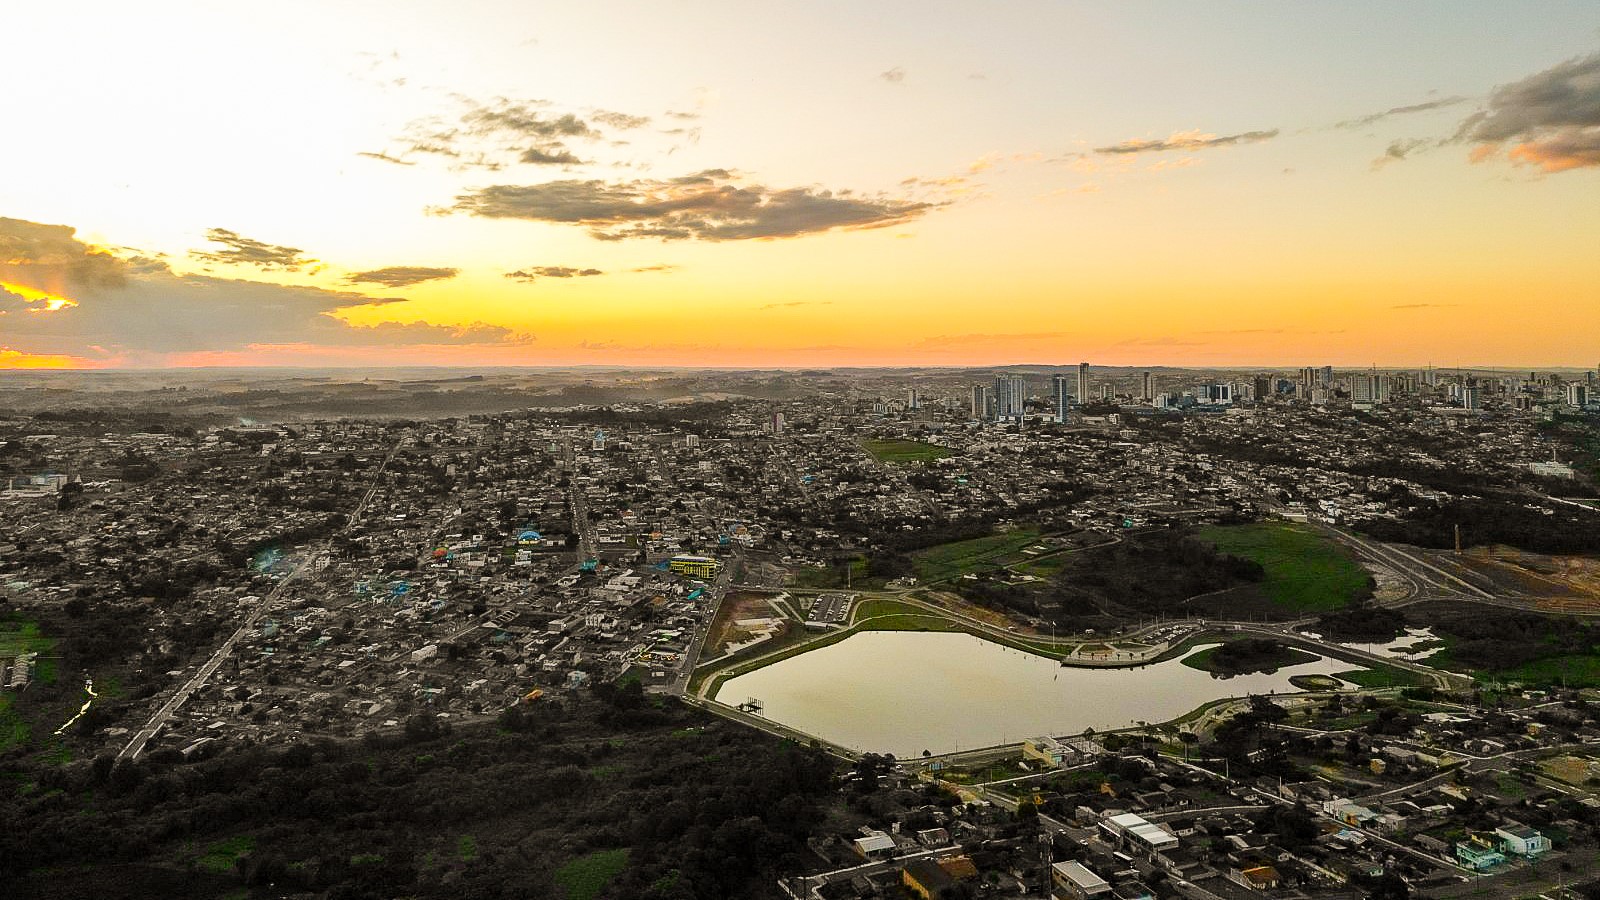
{"x": 765, "y": 184}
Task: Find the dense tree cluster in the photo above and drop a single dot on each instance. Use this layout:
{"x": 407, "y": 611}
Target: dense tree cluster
{"x": 703, "y": 809}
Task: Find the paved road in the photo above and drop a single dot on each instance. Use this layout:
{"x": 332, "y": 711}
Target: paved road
{"x": 143, "y": 736}
{"x": 580, "y": 505}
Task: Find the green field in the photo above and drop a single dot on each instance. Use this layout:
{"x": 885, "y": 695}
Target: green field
{"x": 961, "y": 557}
{"x": 17, "y": 637}
{"x": 900, "y": 452}
{"x": 1379, "y": 676}
{"x": 585, "y": 877}
{"x": 1305, "y": 571}
{"x": 834, "y": 577}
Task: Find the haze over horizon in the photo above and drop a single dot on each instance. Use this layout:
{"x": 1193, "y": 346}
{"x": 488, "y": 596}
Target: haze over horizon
{"x": 721, "y": 185}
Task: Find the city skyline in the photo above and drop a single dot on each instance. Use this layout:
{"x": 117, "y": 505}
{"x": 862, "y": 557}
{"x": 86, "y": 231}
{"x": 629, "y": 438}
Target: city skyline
{"x": 720, "y": 186}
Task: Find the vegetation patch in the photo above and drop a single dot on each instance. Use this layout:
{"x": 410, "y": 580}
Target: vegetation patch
{"x": 585, "y": 877}
{"x": 958, "y": 558}
{"x": 223, "y": 856}
{"x": 1248, "y": 655}
{"x": 1380, "y": 676}
{"x": 13, "y": 728}
{"x": 900, "y": 452}
{"x": 1305, "y": 571}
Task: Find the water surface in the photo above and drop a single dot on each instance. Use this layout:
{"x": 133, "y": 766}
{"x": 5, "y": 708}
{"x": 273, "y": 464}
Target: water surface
{"x": 903, "y": 692}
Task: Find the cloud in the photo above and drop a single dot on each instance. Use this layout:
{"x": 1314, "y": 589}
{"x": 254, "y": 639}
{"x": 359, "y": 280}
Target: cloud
{"x": 138, "y": 309}
{"x": 401, "y": 276}
{"x": 895, "y": 75}
{"x": 523, "y": 119}
{"x": 1551, "y": 118}
{"x": 709, "y": 206}
{"x": 385, "y": 158}
{"x": 51, "y": 257}
{"x": 534, "y": 273}
{"x": 1188, "y": 140}
{"x": 242, "y": 251}
{"x": 1403, "y": 149}
{"x": 620, "y": 121}
{"x": 659, "y": 267}
{"x": 1363, "y": 121}
{"x": 1425, "y": 306}
{"x": 550, "y": 155}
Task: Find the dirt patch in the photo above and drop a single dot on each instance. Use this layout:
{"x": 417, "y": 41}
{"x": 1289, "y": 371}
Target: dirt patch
{"x": 739, "y": 619}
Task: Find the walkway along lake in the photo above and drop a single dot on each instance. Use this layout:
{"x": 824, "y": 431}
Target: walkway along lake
{"x": 904, "y": 692}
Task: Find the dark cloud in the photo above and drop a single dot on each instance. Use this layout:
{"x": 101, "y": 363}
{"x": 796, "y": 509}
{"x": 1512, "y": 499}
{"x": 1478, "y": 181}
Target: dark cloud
{"x": 136, "y": 309}
{"x": 550, "y": 155}
{"x": 895, "y": 75}
{"x": 523, "y": 119}
{"x": 708, "y": 206}
{"x": 1550, "y": 118}
{"x": 242, "y": 251}
{"x": 534, "y": 273}
{"x": 1363, "y": 121}
{"x": 1189, "y": 140}
{"x": 620, "y": 121}
{"x": 385, "y": 158}
{"x": 51, "y": 255}
{"x": 401, "y": 276}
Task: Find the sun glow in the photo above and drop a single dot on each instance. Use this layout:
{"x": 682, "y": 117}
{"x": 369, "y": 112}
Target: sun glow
{"x": 51, "y": 302}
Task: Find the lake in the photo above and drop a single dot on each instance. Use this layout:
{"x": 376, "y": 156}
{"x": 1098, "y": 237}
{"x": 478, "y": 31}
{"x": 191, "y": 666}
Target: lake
{"x": 903, "y": 692}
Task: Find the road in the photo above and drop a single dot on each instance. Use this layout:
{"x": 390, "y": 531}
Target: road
{"x": 580, "y": 505}
{"x": 143, "y": 736}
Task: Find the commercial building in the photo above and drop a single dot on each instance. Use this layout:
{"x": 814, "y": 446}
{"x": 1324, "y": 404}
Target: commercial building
{"x": 695, "y": 566}
{"x": 1078, "y": 881}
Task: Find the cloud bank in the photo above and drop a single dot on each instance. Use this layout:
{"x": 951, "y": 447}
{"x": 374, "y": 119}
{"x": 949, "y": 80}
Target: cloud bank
{"x": 709, "y": 206}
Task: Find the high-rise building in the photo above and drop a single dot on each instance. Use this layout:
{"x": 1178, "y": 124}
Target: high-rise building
{"x": 1083, "y": 382}
{"x": 777, "y": 423}
{"x": 1308, "y": 378}
{"x": 1470, "y": 399}
{"x": 1147, "y": 387}
{"x": 980, "y": 403}
{"x": 1010, "y": 396}
{"x": 1060, "y": 396}
{"x": 913, "y": 399}
{"x": 1577, "y": 395}
{"x": 1263, "y": 387}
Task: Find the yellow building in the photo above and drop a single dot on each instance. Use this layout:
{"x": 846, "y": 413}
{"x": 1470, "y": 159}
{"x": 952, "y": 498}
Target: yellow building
{"x": 696, "y": 566}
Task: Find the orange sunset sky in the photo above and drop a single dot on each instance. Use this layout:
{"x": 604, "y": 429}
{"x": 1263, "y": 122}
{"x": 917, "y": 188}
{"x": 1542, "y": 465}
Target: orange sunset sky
{"x": 763, "y": 184}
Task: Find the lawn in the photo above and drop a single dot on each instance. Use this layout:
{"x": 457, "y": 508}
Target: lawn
{"x": 585, "y": 877}
{"x": 1305, "y": 571}
{"x": 952, "y": 560}
{"x": 900, "y": 452}
{"x": 1380, "y": 676}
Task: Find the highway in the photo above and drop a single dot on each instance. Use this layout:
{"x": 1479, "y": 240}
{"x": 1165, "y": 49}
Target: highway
{"x": 143, "y": 736}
